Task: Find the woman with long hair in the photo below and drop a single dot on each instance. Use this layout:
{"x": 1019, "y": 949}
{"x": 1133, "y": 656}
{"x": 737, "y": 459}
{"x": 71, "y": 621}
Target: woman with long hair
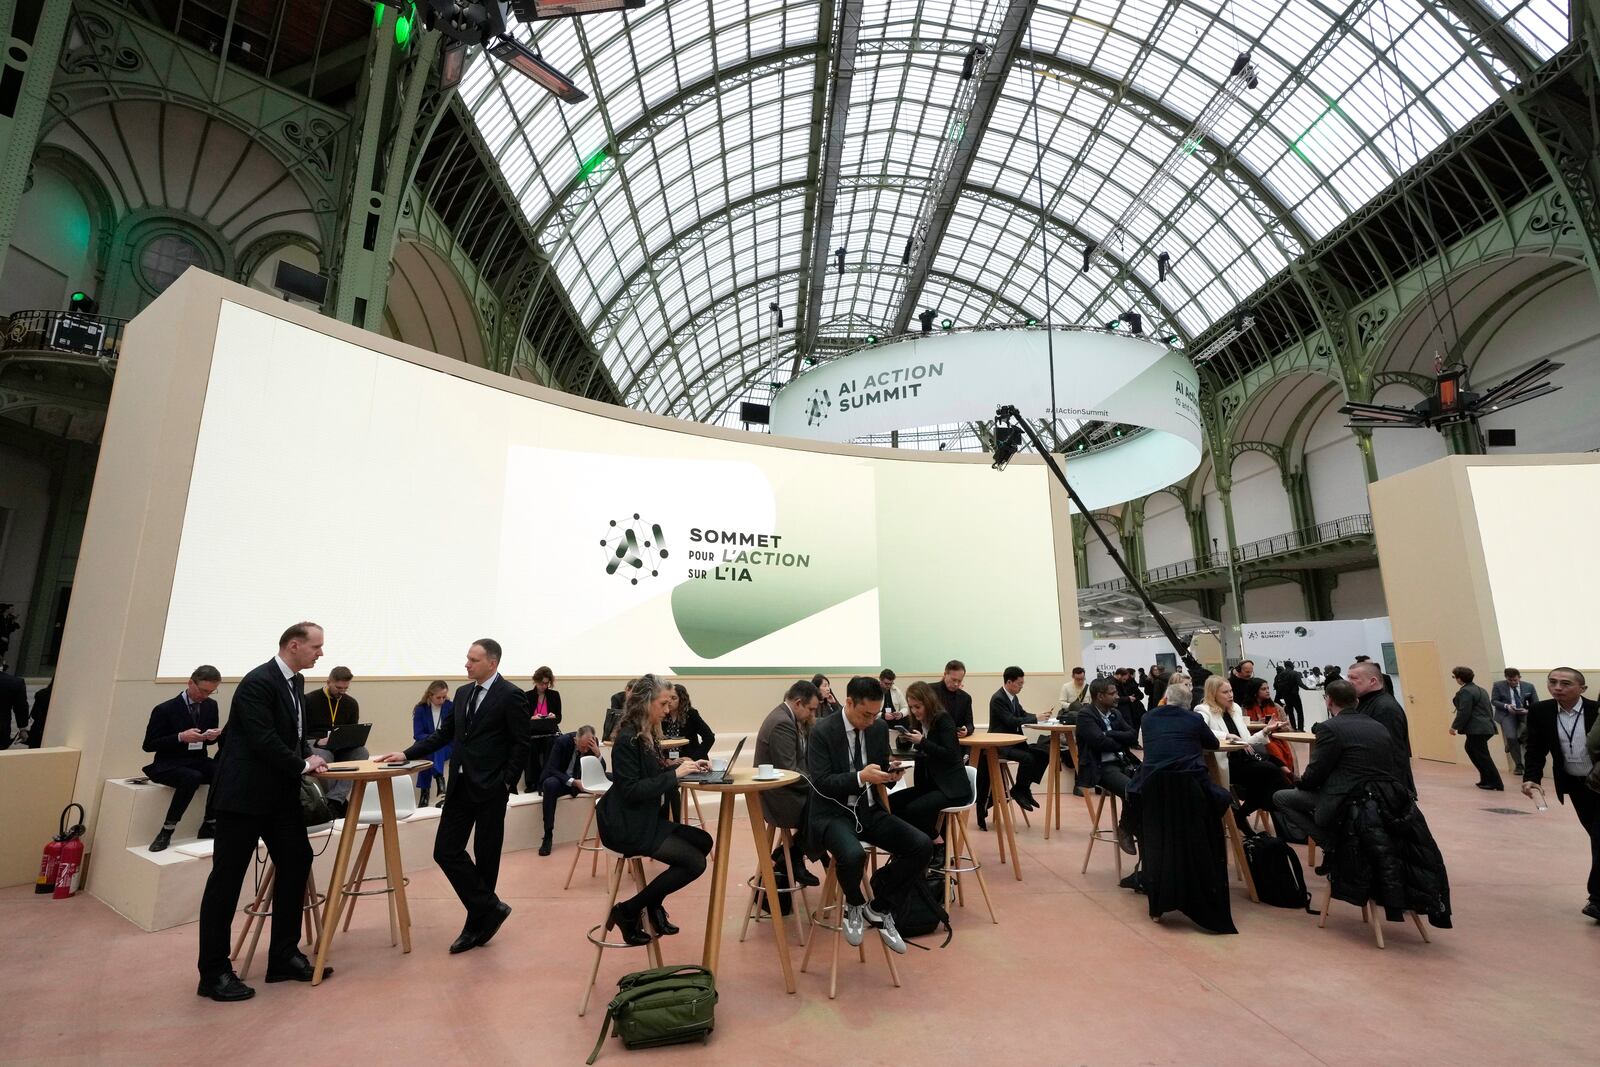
{"x": 544, "y": 703}
{"x": 1255, "y": 698}
{"x": 684, "y": 721}
{"x": 631, "y": 815}
{"x": 830, "y": 704}
{"x": 430, "y": 711}
{"x": 1253, "y": 771}
{"x": 941, "y": 779}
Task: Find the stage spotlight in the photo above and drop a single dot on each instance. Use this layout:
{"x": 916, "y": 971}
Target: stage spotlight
{"x": 947, "y": 324}
{"x": 530, "y": 10}
{"x": 524, "y": 61}
{"x": 926, "y": 320}
{"x": 1088, "y": 256}
{"x": 82, "y": 303}
{"x": 452, "y": 64}
{"x": 1170, "y": 340}
{"x": 1032, "y": 321}
{"x": 777, "y": 311}
{"x": 872, "y": 338}
{"x": 838, "y": 258}
{"x": 1135, "y": 322}
{"x": 905, "y": 257}
{"x": 970, "y": 63}
{"x": 1162, "y": 262}
{"x": 1114, "y": 324}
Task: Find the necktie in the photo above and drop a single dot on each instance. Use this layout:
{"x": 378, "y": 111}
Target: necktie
{"x": 855, "y": 751}
{"x": 572, "y": 764}
{"x": 297, "y": 689}
{"x": 194, "y": 714}
{"x": 472, "y": 704}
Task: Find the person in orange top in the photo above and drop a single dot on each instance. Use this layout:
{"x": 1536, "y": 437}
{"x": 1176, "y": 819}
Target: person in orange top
{"x": 1254, "y": 697}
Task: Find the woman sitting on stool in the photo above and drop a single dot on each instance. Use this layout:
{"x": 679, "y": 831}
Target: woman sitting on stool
{"x": 941, "y": 778}
{"x": 632, "y": 821}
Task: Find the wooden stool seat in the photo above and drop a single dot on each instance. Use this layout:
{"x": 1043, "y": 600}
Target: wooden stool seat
{"x": 1370, "y": 914}
{"x": 833, "y": 901}
{"x": 353, "y": 888}
{"x": 757, "y": 891}
{"x": 958, "y": 857}
{"x": 260, "y": 909}
{"x": 596, "y": 934}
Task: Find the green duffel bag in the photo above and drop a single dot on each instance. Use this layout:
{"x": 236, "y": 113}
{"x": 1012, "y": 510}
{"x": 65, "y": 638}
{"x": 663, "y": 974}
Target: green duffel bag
{"x": 661, "y": 1006}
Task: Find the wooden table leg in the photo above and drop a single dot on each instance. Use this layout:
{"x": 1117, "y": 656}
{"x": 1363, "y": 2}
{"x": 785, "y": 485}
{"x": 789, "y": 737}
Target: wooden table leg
{"x": 1237, "y": 841}
{"x": 1002, "y": 812}
{"x": 341, "y": 868}
{"x": 392, "y": 864}
{"x": 719, "y": 887}
{"x": 758, "y": 827}
{"x": 1052, "y": 800}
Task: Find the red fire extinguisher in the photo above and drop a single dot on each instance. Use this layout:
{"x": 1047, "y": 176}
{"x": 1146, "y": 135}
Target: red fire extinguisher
{"x": 63, "y": 856}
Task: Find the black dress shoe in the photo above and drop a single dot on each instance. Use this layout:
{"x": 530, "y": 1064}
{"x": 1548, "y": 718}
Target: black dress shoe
{"x": 225, "y": 987}
{"x": 296, "y": 969}
{"x": 805, "y": 877}
{"x": 163, "y": 839}
{"x": 632, "y": 933}
{"x": 1592, "y": 910}
{"x": 208, "y": 830}
{"x": 468, "y": 938}
{"x": 544, "y": 847}
{"x": 492, "y": 924}
{"x": 663, "y": 925}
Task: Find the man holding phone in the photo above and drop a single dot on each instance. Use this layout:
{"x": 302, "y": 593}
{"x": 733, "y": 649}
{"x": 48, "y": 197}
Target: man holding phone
{"x": 180, "y": 733}
{"x": 848, "y": 758}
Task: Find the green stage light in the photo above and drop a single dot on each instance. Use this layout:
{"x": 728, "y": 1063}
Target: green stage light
{"x": 872, "y": 338}
{"x": 1032, "y": 321}
{"x": 1114, "y": 324}
{"x": 946, "y": 324}
{"x": 592, "y": 164}
{"x": 1170, "y": 339}
{"x": 404, "y": 22}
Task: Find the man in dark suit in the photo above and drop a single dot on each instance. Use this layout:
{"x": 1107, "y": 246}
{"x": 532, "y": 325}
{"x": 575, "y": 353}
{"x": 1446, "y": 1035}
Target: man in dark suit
{"x": 1105, "y": 742}
{"x": 1007, "y": 717}
{"x": 488, "y": 734}
{"x": 178, "y": 733}
{"x": 257, "y": 797}
{"x": 781, "y": 741}
{"x": 561, "y": 775}
{"x": 1351, "y": 749}
{"x": 1286, "y": 686}
{"x": 1511, "y": 699}
{"x": 1375, "y": 702}
{"x": 956, "y": 700}
{"x": 1557, "y": 729}
{"x": 848, "y": 757}
{"x": 13, "y": 704}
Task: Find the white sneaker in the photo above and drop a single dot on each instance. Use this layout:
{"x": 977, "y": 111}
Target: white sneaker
{"x": 855, "y": 924}
{"x": 891, "y": 936}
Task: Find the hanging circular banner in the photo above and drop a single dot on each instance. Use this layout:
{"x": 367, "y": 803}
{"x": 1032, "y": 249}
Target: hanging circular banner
{"x": 1100, "y": 376}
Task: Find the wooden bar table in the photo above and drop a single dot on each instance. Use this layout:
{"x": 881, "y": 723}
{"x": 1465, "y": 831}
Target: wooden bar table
{"x": 987, "y": 748}
{"x": 359, "y": 773}
{"x": 1052, "y": 801}
{"x": 1229, "y": 827}
{"x": 744, "y": 782}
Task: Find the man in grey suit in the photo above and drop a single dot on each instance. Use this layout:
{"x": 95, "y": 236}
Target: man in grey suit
{"x": 1511, "y": 699}
{"x": 781, "y": 741}
{"x": 1351, "y": 749}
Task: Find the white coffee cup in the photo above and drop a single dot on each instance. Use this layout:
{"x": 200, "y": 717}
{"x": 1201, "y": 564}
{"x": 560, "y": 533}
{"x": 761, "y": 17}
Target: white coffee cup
{"x": 765, "y": 770}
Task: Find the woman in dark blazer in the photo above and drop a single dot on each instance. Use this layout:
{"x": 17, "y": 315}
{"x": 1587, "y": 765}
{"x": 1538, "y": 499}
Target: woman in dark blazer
{"x": 830, "y": 704}
{"x": 631, "y": 815}
{"x": 1475, "y": 719}
{"x": 941, "y": 778}
{"x": 544, "y": 703}
{"x": 684, "y": 721}
{"x": 434, "y": 708}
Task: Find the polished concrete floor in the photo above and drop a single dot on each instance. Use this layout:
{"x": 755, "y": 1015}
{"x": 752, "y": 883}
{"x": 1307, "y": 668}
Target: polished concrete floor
{"x": 1075, "y": 973}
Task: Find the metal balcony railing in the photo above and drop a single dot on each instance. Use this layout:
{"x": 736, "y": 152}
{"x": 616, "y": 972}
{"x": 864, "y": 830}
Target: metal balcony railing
{"x": 1323, "y": 533}
{"x": 90, "y": 336}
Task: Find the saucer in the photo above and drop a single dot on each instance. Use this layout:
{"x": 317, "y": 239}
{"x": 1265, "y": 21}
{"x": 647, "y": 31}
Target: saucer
{"x": 774, "y": 777}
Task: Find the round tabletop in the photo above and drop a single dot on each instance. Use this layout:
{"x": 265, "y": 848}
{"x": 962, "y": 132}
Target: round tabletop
{"x": 674, "y": 742}
{"x": 744, "y": 781}
{"x": 1304, "y": 736}
{"x": 993, "y": 740}
{"x": 1050, "y": 727}
{"x": 364, "y": 770}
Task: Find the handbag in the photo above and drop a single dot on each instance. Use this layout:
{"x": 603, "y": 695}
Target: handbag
{"x": 314, "y": 810}
{"x": 661, "y": 1006}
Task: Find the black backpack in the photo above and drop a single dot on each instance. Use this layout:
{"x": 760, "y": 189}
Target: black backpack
{"x": 1276, "y": 871}
{"x": 921, "y": 911}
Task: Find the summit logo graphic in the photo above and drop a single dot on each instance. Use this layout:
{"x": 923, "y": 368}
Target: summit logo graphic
{"x": 818, "y": 407}
{"x": 634, "y": 547}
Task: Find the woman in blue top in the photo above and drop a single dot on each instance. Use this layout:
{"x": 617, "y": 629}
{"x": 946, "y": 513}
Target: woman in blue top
{"x": 425, "y": 718}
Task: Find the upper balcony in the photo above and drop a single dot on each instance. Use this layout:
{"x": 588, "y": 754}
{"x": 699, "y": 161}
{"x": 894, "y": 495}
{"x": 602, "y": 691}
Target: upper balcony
{"x": 1333, "y": 544}
{"x": 56, "y": 369}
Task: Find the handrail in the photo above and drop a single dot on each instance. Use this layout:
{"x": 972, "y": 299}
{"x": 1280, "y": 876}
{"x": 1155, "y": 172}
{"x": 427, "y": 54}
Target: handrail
{"x": 90, "y": 336}
{"x": 1251, "y": 551}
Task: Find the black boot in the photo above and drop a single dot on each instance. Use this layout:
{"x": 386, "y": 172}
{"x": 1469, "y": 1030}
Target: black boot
{"x": 544, "y": 846}
{"x": 659, "y": 920}
{"x": 632, "y": 933}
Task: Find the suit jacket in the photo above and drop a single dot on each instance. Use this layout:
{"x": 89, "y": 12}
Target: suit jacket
{"x": 1005, "y": 717}
{"x": 1096, "y": 739}
{"x": 167, "y": 720}
{"x": 781, "y": 741}
{"x": 562, "y": 752}
{"x": 1351, "y": 749}
{"x": 834, "y": 776}
{"x": 1286, "y": 686}
{"x": 957, "y": 704}
{"x": 1387, "y": 710}
{"x": 941, "y": 764}
{"x": 1174, "y": 739}
{"x": 1500, "y": 696}
{"x": 1474, "y": 715}
{"x": 263, "y": 756}
{"x": 631, "y": 814}
{"x": 1543, "y": 740}
{"x": 14, "y": 699}
{"x": 487, "y": 757}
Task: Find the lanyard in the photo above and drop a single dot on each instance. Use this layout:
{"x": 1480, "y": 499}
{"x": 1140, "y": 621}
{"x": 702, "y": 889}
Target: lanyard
{"x": 1571, "y": 735}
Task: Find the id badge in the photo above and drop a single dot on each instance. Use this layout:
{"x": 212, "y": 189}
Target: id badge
{"x": 197, "y": 746}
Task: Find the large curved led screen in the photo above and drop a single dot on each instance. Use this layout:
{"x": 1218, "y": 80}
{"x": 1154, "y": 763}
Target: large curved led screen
{"x": 410, "y": 511}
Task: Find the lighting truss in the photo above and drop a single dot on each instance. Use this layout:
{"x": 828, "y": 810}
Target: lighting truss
{"x": 1240, "y": 78}
{"x": 1452, "y": 403}
{"x": 1243, "y": 323}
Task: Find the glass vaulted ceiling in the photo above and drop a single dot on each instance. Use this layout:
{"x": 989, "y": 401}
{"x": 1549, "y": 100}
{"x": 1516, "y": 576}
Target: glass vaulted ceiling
{"x": 674, "y": 203}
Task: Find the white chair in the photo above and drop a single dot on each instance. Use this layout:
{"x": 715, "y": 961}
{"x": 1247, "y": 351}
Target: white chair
{"x": 958, "y": 857}
{"x": 371, "y": 817}
{"x": 260, "y": 909}
{"x": 592, "y": 773}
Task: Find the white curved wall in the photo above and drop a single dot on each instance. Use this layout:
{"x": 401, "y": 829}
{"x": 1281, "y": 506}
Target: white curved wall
{"x": 1561, "y": 323}
{"x": 1401, "y": 449}
{"x": 1166, "y": 531}
{"x": 1260, "y": 504}
{"x": 1334, "y": 471}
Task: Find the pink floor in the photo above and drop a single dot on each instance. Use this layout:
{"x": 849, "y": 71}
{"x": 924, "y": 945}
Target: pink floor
{"x": 1075, "y": 973}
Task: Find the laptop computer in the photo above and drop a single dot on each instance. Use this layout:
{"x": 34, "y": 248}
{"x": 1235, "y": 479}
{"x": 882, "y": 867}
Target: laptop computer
{"x": 348, "y": 736}
{"x": 718, "y": 773}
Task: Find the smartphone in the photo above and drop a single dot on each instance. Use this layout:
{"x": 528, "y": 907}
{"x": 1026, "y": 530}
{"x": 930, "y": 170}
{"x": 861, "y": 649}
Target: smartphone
{"x": 900, "y": 728}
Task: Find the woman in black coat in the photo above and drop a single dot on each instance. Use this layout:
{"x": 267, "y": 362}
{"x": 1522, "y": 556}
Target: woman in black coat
{"x": 684, "y": 721}
{"x": 829, "y": 704}
{"x": 631, "y": 816}
{"x": 941, "y": 779}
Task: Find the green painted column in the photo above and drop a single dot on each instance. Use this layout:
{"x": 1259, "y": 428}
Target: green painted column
{"x": 71, "y": 482}
{"x": 1298, "y": 488}
{"x": 34, "y": 31}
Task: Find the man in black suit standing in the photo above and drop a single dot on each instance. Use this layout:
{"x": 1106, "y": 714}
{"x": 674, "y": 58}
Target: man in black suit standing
{"x": 178, "y": 733}
{"x": 257, "y": 797}
{"x": 488, "y": 733}
{"x": 13, "y": 705}
{"x": 1557, "y": 728}
{"x": 1007, "y": 717}
{"x": 1351, "y": 749}
{"x": 848, "y": 757}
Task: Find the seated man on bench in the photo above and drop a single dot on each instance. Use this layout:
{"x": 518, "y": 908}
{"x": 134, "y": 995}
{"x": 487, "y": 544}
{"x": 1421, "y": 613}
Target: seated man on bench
{"x": 848, "y": 758}
{"x": 179, "y": 732}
